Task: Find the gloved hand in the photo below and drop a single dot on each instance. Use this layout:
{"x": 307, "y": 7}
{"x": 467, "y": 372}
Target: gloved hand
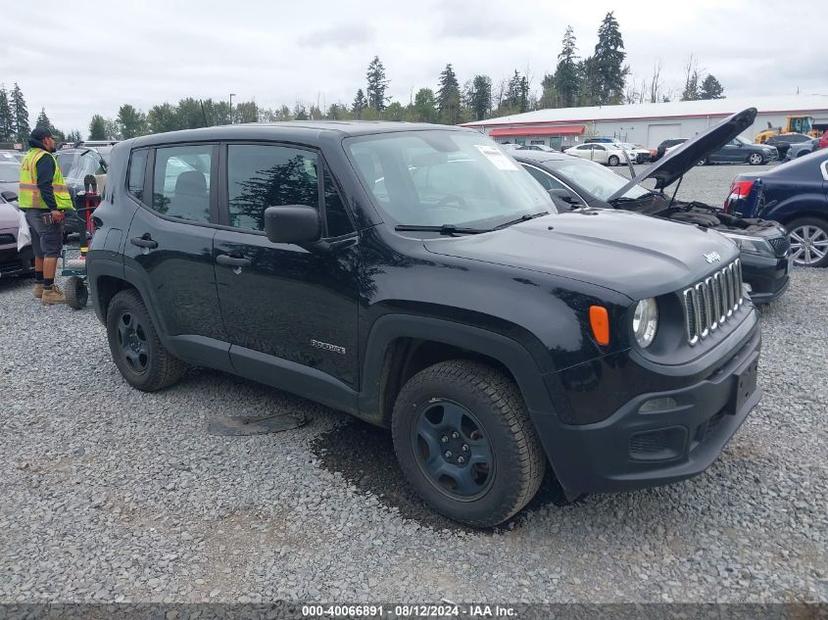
{"x": 57, "y": 216}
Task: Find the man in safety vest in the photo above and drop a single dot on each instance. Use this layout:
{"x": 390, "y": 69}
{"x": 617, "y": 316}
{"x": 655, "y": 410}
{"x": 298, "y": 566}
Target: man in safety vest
{"x": 44, "y": 197}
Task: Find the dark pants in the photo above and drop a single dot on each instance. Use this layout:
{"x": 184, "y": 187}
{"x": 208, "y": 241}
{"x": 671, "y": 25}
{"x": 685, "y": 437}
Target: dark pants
{"x": 47, "y": 237}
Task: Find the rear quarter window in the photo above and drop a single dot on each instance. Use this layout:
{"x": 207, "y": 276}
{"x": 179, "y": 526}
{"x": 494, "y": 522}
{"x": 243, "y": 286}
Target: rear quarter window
{"x": 137, "y": 173}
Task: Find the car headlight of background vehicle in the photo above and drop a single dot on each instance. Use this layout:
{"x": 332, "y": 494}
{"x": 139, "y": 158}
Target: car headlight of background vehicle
{"x": 752, "y": 245}
{"x": 645, "y": 322}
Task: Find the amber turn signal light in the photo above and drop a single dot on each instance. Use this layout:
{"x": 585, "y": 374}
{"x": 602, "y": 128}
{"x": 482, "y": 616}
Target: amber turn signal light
{"x": 599, "y": 321}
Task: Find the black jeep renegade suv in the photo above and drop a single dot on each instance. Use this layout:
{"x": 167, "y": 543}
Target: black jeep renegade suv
{"x": 416, "y": 277}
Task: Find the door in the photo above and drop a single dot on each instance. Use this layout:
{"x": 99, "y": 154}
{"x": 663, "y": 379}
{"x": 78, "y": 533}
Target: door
{"x": 284, "y": 306}
{"x": 599, "y": 153}
{"x": 170, "y": 240}
{"x": 730, "y": 152}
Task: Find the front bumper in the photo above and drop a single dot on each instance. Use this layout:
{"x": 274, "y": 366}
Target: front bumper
{"x": 14, "y": 263}
{"x": 658, "y": 437}
{"x": 767, "y": 276}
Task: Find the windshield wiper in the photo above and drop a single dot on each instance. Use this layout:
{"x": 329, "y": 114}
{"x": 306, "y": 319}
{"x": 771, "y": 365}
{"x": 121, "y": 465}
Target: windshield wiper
{"x": 523, "y": 218}
{"x": 444, "y": 229}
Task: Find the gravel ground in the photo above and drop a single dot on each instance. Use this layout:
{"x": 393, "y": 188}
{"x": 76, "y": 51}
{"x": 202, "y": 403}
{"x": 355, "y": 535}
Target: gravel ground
{"x": 109, "y": 494}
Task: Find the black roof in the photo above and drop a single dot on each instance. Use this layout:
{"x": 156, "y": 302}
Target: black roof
{"x": 289, "y": 131}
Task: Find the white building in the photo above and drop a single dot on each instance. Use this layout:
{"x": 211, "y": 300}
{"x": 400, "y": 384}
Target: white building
{"x": 647, "y": 123}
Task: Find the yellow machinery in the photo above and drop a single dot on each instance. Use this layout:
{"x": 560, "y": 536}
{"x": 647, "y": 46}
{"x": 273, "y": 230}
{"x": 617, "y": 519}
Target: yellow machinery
{"x": 793, "y": 124}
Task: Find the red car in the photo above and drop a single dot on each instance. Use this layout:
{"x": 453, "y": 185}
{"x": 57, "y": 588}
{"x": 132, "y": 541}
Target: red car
{"x": 823, "y": 141}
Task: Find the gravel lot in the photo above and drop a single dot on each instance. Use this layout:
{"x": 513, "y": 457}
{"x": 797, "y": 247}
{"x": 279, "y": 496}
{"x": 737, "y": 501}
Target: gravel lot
{"x": 109, "y": 494}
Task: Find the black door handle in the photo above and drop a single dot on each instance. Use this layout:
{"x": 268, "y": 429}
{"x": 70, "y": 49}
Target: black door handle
{"x": 144, "y": 242}
{"x": 232, "y": 261}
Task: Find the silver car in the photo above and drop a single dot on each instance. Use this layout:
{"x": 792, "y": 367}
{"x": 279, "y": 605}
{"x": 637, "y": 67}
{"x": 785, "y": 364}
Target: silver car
{"x": 12, "y": 261}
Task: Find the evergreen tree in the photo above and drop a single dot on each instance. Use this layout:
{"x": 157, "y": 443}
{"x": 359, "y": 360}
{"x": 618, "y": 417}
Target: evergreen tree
{"x": 424, "y": 109}
{"x": 6, "y": 117}
{"x": 448, "y": 96}
{"x": 711, "y": 88}
{"x": 43, "y": 121}
{"x": 377, "y": 85}
{"x": 549, "y": 95}
{"x": 590, "y": 92}
{"x": 20, "y": 115}
{"x": 567, "y": 78}
{"x": 609, "y": 61}
{"x": 97, "y": 128}
{"x": 74, "y": 136}
{"x": 131, "y": 122}
{"x": 479, "y": 96}
{"x": 162, "y": 118}
{"x": 359, "y": 104}
{"x": 516, "y": 99}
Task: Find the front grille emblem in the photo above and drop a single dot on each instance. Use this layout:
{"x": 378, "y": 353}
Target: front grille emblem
{"x": 712, "y": 257}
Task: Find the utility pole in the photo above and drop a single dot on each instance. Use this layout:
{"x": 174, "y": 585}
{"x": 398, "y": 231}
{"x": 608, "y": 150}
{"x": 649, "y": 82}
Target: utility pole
{"x": 231, "y": 107}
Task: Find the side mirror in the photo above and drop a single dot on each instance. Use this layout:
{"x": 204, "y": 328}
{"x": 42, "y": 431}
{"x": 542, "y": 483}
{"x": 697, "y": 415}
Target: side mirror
{"x": 297, "y": 224}
{"x": 9, "y": 196}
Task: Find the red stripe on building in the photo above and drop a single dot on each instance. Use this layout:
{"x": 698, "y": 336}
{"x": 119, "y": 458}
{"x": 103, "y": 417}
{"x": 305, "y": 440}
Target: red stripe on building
{"x": 560, "y": 130}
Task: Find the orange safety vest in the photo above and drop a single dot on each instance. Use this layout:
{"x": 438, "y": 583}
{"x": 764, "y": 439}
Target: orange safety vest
{"x": 28, "y": 195}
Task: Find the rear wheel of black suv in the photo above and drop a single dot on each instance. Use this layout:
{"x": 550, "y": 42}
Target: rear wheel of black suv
{"x": 465, "y": 443}
{"x": 136, "y": 349}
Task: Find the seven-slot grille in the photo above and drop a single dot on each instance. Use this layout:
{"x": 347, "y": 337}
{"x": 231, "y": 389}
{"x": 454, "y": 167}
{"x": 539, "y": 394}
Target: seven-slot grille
{"x": 710, "y": 303}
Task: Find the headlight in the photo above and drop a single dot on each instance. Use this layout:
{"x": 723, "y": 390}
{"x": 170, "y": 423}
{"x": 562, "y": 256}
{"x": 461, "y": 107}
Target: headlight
{"x": 752, "y": 245}
{"x": 645, "y": 322}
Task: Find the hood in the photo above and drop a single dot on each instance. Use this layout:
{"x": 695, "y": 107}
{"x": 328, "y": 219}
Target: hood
{"x": 632, "y": 254}
{"x": 675, "y": 164}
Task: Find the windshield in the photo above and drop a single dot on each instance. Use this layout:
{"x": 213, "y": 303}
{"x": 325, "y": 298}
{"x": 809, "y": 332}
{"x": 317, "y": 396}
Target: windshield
{"x": 596, "y": 179}
{"x": 9, "y": 172}
{"x": 88, "y": 163}
{"x": 437, "y": 178}
{"x": 741, "y": 140}
{"x": 65, "y": 161}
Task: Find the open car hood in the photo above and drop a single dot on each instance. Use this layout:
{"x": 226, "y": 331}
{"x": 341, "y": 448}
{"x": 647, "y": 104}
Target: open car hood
{"x": 675, "y": 164}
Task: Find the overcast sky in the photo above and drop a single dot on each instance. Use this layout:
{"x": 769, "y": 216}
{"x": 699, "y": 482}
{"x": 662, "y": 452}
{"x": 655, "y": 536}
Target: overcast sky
{"x": 83, "y": 57}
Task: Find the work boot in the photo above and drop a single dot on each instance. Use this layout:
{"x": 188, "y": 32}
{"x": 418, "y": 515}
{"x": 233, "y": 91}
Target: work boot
{"x": 37, "y": 291}
{"x": 53, "y": 296}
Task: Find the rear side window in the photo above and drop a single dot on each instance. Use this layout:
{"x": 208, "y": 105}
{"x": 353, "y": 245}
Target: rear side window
{"x": 137, "y": 172}
{"x": 544, "y": 179}
{"x": 181, "y": 182}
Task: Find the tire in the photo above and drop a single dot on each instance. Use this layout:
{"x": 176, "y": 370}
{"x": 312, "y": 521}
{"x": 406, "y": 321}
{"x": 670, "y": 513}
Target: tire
{"x": 810, "y": 229}
{"x": 136, "y": 349}
{"x": 756, "y": 159}
{"x": 613, "y": 160}
{"x": 77, "y": 295}
{"x": 461, "y": 403}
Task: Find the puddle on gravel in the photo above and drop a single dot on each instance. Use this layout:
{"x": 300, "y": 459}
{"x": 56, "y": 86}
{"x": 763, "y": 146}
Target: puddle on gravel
{"x": 364, "y": 455}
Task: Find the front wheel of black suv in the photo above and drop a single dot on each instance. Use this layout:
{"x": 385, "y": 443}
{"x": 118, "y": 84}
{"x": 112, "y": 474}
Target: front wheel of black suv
{"x": 809, "y": 242}
{"x": 464, "y": 441}
{"x": 136, "y": 349}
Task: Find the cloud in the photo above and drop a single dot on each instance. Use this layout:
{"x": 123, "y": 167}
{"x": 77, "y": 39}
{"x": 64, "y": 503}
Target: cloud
{"x": 344, "y": 35}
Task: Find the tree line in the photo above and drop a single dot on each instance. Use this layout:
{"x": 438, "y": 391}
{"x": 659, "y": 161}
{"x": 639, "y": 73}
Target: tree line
{"x": 601, "y": 78}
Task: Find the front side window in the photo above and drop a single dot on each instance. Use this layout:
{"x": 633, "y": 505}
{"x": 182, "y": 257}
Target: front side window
{"x": 181, "y": 182}
{"x": 443, "y": 177}
{"x": 262, "y": 176}
{"x": 546, "y": 180}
